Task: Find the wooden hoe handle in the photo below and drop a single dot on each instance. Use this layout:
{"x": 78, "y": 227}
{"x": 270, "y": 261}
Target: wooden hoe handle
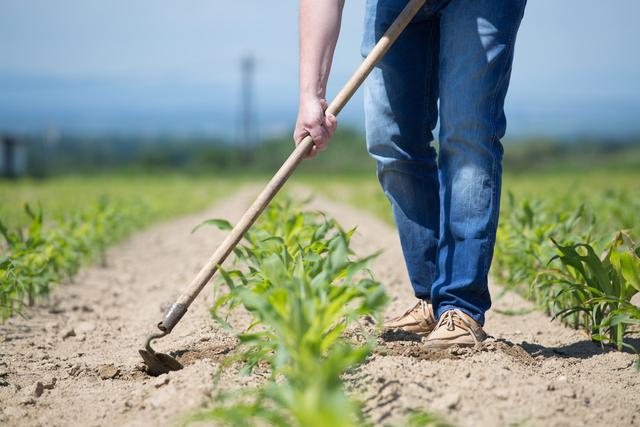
{"x": 179, "y": 308}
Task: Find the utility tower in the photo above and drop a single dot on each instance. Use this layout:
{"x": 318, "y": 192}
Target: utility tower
{"x": 248, "y": 132}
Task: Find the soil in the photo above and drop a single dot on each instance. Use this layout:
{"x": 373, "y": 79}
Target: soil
{"x": 74, "y": 361}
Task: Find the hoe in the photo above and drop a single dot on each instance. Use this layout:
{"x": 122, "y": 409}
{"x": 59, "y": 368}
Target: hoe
{"x": 159, "y": 363}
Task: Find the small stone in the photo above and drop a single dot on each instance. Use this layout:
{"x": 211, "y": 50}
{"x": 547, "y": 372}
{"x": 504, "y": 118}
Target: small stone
{"x": 162, "y": 397}
{"x": 501, "y": 394}
{"x": 38, "y": 389}
{"x": 67, "y": 333}
{"x": 56, "y": 310}
{"x": 49, "y": 383}
{"x": 15, "y": 412}
{"x": 85, "y": 327}
{"x": 108, "y": 372}
{"x": 456, "y": 351}
{"x": 447, "y": 402}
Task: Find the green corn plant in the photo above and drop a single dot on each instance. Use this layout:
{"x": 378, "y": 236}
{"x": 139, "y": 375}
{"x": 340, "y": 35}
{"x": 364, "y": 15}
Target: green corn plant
{"x": 298, "y": 281}
{"x": 523, "y": 244}
{"x": 596, "y": 291}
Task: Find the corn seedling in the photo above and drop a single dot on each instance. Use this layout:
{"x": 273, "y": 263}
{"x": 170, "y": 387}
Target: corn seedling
{"x": 596, "y": 290}
{"x": 298, "y": 281}
{"x": 523, "y": 246}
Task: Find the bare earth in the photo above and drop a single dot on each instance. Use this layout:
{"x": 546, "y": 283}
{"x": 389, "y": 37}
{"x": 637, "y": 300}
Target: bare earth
{"x": 74, "y": 361}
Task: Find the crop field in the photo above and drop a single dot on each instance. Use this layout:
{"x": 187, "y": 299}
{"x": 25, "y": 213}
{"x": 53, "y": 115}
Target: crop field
{"x": 193, "y": 230}
{"x": 570, "y": 242}
{"x": 290, "y": 334}
{"x": 48, "y": 230}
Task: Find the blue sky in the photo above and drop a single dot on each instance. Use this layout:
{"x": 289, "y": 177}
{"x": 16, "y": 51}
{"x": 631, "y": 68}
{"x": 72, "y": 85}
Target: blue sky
{"x": 153, "y": 65}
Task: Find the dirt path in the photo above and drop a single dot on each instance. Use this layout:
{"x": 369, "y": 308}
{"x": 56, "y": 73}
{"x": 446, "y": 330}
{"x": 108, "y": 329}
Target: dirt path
{"x": 74, "y": 362}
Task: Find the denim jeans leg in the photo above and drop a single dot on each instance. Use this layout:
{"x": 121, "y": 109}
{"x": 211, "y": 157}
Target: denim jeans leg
{"x": 476, "y": 52}
{"x": 401, "y": 113}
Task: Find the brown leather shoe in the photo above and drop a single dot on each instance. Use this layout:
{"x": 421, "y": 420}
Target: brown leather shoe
{"x": 417, "y": 320}
{"x": 455, "y": 327}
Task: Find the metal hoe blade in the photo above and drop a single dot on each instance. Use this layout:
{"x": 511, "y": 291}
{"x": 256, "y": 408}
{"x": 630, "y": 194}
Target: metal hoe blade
{"x": 158, "y": 363}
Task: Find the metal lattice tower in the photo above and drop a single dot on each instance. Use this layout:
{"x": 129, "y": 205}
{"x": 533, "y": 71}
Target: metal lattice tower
{"x": 248, "y": 134}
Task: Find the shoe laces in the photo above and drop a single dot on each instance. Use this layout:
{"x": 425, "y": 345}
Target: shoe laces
{"x": 455, "y": 318}
{"x": 421, "y": 305}
{"x": 424, "y": 307}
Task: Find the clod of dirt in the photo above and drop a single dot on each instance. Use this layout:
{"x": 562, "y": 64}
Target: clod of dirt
{"x": 56, "y": 310}
{"x": 38, "y": 389}
{"x": 460, "y": 351}
{"x": 67, "y": 333}
{"x": 51, "y": 326}
{"x": 84, "y": 308}
{"x": 515, "y": 351}
{"x": 161, "y": 380}
{"x": 108, "y": 372}
{"x": 49, "y": 383}
{"x": 216, "y": 353}
{"x": 400, "y": 335}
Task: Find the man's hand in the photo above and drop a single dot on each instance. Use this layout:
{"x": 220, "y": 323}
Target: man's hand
{"x": 313, "y": 121}
{"x": 319, "y": 30}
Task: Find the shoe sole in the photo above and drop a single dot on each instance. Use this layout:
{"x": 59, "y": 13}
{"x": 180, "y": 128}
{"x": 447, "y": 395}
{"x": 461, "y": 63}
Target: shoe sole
{"x": 446, "y": 344}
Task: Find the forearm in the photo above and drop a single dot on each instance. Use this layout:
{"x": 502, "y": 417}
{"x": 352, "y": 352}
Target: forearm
{"x": 319, "y": 29}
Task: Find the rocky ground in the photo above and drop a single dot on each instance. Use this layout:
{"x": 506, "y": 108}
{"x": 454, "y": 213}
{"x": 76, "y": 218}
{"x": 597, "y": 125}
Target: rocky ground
{"x": 74, "y": 360}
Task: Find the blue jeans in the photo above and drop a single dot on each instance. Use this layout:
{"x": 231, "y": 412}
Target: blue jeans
{"x": 445, "y": 203}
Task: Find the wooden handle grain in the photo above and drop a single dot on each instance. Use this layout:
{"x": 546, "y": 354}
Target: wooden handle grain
{"x": 294, "y": 159}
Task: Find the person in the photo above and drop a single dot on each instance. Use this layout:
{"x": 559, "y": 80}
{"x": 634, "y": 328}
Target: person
{"x": 452, "y": 63}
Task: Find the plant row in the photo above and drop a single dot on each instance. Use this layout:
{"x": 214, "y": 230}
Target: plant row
{"x": 572, "y": 264}
{"x": 44, "y": 253}
{"x": 297, "y": 277}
